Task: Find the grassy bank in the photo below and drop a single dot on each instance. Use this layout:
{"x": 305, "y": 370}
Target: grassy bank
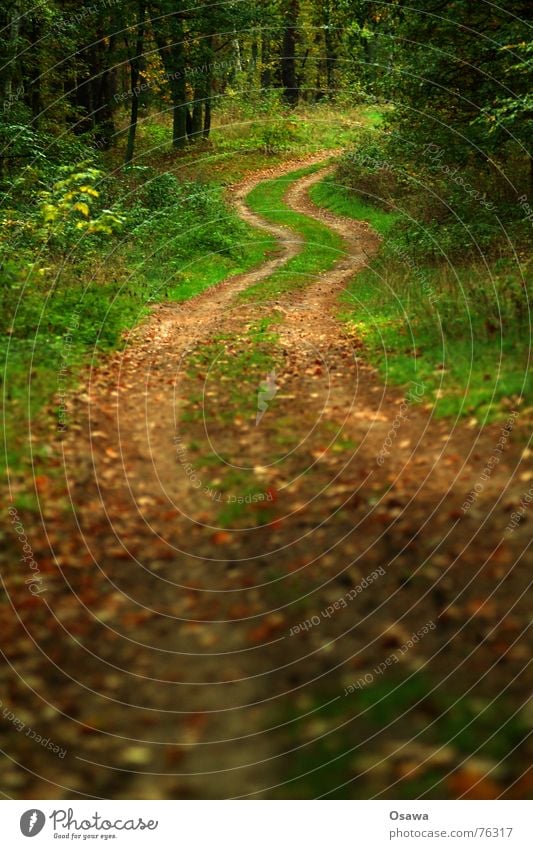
{"x": 336, "y": 765}
{"x": 449, "y": 325}
{"x": 62, "y": 312}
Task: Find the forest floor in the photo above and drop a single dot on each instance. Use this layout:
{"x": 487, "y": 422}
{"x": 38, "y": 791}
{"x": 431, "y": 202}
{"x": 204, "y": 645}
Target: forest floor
{"x": 237, "y": 470}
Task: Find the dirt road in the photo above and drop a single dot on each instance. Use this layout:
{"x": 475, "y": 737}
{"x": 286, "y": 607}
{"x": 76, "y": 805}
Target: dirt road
{"x": 259, "y": 577}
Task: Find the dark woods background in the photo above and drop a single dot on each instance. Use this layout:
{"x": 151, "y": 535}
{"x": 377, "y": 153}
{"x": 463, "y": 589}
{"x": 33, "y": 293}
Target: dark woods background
{"x": 456, "y": 71}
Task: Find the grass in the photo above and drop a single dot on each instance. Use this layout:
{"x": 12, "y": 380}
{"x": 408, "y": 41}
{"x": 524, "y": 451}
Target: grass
{"x": 344, "y": 201}
{"x": 54, "y": 327}
{"x": 246, "y": 136}
{"x": 442, "y": 326}
{"x": 109, "y": 290}
{"x": 338, "y": 753}
{"x": 320, "y": 249}
{"x": 178, "y": 278}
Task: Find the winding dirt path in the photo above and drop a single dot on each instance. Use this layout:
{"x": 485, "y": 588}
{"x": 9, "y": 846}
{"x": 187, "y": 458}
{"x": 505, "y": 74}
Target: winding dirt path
{"x": 167, "y": 654}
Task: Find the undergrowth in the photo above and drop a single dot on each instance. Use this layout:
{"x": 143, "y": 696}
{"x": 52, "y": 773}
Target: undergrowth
{"x": 460, "y": 328}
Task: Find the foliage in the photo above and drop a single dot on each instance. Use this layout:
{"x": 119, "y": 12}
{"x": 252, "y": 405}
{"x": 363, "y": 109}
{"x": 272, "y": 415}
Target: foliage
{"x": 461, "y": 85}
{"x": 182, "y": 219}
{"x": 67, "y": 208}
{"x": 448, "y": 211}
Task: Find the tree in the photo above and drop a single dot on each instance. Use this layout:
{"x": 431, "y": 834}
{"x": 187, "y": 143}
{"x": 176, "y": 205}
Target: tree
{"x": 288, "y": 55}
{"x": 135, "y": 63}
{"x": 462, "y": 81}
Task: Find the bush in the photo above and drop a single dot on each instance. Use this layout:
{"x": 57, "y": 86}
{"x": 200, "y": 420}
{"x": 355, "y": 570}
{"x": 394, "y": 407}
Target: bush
{"x": 369, "y": 169}
{"x": 184, "y": 219}
{"x": 160, "y": 191}
{"x": 449, "y": 211}
{"x": 277, "y": 136}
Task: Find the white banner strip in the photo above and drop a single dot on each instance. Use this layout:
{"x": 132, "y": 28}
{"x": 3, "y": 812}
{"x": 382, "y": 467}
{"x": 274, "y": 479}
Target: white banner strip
{"x": 268, "y": 824}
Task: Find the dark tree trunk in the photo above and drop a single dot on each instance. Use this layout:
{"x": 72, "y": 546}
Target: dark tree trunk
{"x": 83, "y": 97}
{"x": 135, "y": 74}
{"x": 207, "y": 118}
{"x": 369, "y": 47}
{"x": 35, "y": 89}
{"x": 179, "y": 115}
{"x": 105, "y": 87}
{"x": 197, "y": 111}
{"x": 208, "y": 89}
{"x": 10, "y": 23}
{"x": 105, "y": 120}
{"x": 266, "y": 76}
{"x": 288, "y": 59}
{"x": 173, "y": 60}
{"x": 331, "y": 57}
{"x": 252, "y": 66}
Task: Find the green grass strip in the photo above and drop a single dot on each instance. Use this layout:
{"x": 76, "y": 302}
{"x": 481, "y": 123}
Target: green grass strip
{"x": 321, "y": 246}
{"x": 343, "y": 201}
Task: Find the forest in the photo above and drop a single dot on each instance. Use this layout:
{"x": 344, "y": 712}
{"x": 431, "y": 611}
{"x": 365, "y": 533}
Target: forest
{"x": 265, "y": 273}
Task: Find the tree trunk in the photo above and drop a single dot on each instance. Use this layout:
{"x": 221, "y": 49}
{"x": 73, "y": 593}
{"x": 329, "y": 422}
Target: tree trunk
{"x": 252, "y": 67}
{"x": 207, "y": 118}
{"x": 288, "y": 59}
{"x": 179, "y": 115}
{"x": 266, "y": 76}
{"x": 197, "y": 111}
{"x": 9, "y": 51}
{"x": 208, "y": 89}
{"x": 104, "y": 90}
{"x": 173, "y": 60}
{"x": 369, "y": 47}
{"x": 237, "y": 54}
{"x": 35, "y": 90}
{"x": 135, "y": 74}
{"x": 331, "y": 56}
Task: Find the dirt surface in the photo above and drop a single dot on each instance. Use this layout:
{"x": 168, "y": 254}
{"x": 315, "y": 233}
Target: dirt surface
{"x": 224, "y": 482}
